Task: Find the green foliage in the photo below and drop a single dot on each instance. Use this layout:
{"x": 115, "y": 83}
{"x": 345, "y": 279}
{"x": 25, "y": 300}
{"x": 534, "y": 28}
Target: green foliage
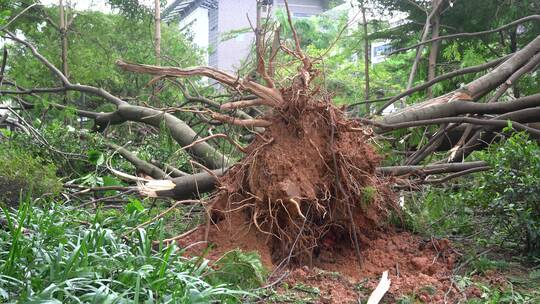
{"x": 22, "y": 172}
{"x": 368, "y": 194}
{"x": 95, "y": 41}
{"x": 243, "y": 270}
{"x": 131, "y": 8}
{"x": 510, "y": 193}
{"x": 60, "y": 254}
{"x": 500, "y": 204}
{"x": 511, "y": 291}
{"x": 71, "y": 150}
{"x": 5, "y": 12}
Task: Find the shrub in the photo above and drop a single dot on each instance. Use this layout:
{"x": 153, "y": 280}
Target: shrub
{"x": 509, "y": 194}
{"x": 22, "y": 172}
{"x": 500, "y": 206}
{"x": 60, "y": 254}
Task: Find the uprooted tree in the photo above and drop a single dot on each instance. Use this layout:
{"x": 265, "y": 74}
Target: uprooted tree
{"x": 310, "y": 170}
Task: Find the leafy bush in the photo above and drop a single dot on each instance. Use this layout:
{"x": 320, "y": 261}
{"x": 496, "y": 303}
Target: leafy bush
{"x": 510, "y": 193}
{"x": 20, "y": 171}
{"x": 244, "y": 270}
{"x": 500, "y": 206}
{"x": 61, "y": 254}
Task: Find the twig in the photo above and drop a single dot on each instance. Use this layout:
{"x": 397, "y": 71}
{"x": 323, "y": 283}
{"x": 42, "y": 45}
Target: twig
{"x": 162, "y": 214}
{"x": 220, "y": 135}
{"x": 18, "y": 15}
{"x": 454, "y": 175}
{"x": 107, "y": 198}
{"x": 180, "y": 236}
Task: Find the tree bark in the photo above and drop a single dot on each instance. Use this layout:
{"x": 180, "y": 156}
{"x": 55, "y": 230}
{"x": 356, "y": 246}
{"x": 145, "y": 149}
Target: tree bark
{"x": 190, "y": 186}
{"x": 366, "y": 56}
{"x": 157, "y": 41}
{"x": 63, "y": 39}
{"x": 434, "y": 51}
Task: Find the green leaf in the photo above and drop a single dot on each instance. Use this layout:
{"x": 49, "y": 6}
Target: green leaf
{"x": 134, "y": 205}
{"x": 5, "y": 132}
{"x": 96, "y": 157}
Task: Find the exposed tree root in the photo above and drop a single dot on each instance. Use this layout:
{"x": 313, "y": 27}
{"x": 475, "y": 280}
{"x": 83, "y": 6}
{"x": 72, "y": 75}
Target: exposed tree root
{"x": 297, "y": 189}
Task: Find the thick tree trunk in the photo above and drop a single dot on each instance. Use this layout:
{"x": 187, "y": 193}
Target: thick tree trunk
{"x": 183, "y": 187}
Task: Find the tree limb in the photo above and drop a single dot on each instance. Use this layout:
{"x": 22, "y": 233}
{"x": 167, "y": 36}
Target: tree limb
{"x": 425, "y": 85}
{"x": 233, "y": 81}
{"x": 483, "y": 85}
{"x": 141, "y": 165}
{"x": 460, "y": 35}
{"x": 499, "y": 123}
{"x": 67, "y": 84}
{"x": 456, "y": 108}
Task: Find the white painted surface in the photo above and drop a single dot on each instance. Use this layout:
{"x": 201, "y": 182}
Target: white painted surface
{"x": 197, "y": 25}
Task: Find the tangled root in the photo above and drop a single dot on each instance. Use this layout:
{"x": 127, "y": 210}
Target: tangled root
{"x": 307, "y": 181}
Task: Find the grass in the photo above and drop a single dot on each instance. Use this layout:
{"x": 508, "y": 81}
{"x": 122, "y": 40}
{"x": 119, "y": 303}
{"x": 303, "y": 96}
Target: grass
{"x": 54, "y": 253}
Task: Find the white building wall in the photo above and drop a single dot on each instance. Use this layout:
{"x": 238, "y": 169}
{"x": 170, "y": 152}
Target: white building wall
{"x": 233, "y": 16}
{"x": 197, "y": 24}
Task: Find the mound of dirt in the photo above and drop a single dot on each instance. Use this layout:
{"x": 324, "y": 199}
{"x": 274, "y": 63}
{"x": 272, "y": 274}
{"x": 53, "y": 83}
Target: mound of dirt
{"x": 308, "y": 178}
{"x": 306, "y": 193}
{"x": 415, "y": 266}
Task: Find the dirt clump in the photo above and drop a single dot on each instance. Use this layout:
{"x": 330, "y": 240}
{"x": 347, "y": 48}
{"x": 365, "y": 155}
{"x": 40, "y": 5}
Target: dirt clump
{"x": 308, "y": 177}
{"x": 415, "y": 265}
{"x": 306, "y": 194}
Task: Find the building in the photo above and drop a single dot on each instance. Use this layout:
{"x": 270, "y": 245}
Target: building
{"x": 211, "y": 21}
{"x": 379, "y": 48}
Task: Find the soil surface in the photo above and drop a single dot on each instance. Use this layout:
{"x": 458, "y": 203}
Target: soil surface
{"x": 415, "y": 265}
{"x": 306, "y": 196}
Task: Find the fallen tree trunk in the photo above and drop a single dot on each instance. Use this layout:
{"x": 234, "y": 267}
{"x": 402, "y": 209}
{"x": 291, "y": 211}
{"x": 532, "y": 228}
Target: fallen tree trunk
{"x": 481, "y": 86}
{"x": 463, "y": 107}
{"x": 191, "y": 186}
{"x": 178, "y": 129}
{"x": 183, "y": 187}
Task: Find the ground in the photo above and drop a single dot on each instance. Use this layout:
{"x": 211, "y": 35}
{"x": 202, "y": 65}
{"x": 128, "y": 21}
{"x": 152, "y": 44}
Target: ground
{"x": 415, "y": 265}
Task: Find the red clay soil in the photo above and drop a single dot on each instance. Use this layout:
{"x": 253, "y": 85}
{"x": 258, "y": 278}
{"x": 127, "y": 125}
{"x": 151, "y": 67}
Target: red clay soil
{"x": 310, "y": 175}
{"x": 306, "y": 194}
{"x": 415, "y": 266}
